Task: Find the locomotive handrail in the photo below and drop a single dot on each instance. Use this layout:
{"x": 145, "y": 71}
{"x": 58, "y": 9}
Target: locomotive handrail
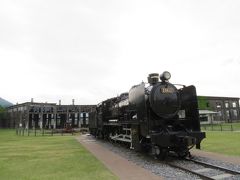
{"x": 180, "y": 85}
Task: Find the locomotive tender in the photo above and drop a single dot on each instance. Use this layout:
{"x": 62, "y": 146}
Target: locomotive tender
{"x": 155, "y": 117}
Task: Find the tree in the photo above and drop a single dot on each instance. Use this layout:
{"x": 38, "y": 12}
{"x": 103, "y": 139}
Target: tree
{"x": 203, "y": 103}
{"x": 2, "y": 116}
{"x": 2, "y": 109}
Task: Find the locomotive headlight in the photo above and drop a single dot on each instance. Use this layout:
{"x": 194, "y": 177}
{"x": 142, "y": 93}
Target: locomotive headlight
{"x": 165, "y": 76}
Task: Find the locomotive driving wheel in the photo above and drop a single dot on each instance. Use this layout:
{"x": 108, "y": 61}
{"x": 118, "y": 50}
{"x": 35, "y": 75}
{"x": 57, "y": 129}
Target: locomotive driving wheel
{"x": 161, "y": 153}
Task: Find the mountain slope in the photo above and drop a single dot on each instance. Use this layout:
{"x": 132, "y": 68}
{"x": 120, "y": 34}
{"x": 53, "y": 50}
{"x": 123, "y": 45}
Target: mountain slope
{"x": 5, "y": 103}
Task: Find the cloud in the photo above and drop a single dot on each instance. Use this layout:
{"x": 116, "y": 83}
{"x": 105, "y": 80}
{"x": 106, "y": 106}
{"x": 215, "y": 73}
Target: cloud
{"x": 93, "y": 50}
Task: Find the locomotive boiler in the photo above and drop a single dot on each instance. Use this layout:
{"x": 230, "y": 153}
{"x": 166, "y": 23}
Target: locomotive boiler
{"x": 156, "y": 117}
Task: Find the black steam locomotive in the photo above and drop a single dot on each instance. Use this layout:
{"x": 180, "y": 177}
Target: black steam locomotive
{"x": 155, "y": 117}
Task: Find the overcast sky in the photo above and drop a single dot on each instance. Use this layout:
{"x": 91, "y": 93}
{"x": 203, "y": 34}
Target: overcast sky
{"x": 93, "y": 50}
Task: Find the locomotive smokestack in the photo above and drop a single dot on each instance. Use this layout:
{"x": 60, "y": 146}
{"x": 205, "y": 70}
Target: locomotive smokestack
{"x": 59, "y": 102}
{"x": 153, "y": 78}
{"x": 73, "y": 101}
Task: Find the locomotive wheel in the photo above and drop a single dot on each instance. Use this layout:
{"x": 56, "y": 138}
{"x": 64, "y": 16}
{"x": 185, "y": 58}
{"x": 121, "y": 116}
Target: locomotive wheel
{"x": 100, "y": 134}
{"x": 163, "y": 153}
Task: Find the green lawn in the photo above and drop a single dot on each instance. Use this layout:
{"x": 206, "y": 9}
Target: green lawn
{"x": 48, "y": 157}
{"x": 222, "y": 142}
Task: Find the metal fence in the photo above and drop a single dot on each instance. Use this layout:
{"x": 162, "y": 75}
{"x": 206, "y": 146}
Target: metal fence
{"x": 221, "y": 127}
{"x": 48, "y": 132}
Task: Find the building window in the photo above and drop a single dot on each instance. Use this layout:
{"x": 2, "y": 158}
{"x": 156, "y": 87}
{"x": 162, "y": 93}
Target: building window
{"x": 227, "y": 113}
{"x": 235, "y": 113}
{"x": 234, "y": 104}
{"x": 203, "y": 118}
{"x": 226, "y": 104}
{"x": 218, "y": 105}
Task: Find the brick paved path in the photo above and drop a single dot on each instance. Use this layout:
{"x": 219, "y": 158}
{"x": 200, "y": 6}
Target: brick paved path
{"x": 120, "y": 166}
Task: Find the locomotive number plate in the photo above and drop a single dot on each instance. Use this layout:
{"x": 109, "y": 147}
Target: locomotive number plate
{"x": 167, "y": 90}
